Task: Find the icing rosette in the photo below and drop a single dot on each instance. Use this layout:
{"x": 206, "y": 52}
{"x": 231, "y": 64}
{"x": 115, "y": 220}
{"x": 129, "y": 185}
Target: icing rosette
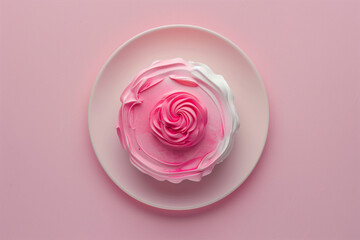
{"x": 177, "y": 120}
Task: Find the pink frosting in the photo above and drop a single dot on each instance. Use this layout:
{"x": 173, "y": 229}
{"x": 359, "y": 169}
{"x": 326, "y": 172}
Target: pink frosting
{"x": 177, "y": 120}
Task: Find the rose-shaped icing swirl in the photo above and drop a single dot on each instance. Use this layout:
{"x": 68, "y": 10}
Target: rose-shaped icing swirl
{"x": 178, "y": 120}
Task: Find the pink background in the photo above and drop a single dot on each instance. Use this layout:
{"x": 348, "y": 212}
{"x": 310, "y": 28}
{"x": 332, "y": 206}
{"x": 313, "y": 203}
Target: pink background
{"x": 307, "y": 183}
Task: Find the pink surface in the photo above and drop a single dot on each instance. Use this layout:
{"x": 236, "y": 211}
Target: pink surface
{"x": 306, "y": 185}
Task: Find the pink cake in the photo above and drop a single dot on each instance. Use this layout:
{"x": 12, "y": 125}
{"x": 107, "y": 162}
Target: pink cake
{"x": 177, "y": 120}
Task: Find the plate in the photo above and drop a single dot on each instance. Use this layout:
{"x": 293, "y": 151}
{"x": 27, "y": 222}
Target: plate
{"x": 190, "y": 43}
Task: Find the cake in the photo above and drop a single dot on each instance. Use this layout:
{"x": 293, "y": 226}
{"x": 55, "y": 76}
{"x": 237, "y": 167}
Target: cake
{"x": 177, "y": 120}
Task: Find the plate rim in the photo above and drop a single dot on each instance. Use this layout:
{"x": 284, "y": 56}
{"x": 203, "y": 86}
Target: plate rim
{"x": 139, "y": 35}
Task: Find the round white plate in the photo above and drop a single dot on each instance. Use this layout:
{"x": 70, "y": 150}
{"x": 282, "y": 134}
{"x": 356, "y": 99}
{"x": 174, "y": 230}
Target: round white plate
{"x": 199, "y": 45}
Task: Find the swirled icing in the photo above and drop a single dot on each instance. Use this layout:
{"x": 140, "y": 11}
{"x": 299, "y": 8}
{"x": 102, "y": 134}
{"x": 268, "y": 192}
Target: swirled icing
{"x": 177, "y": 120}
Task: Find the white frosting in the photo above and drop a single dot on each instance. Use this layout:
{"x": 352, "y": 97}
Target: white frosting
{"x": 204, "y": 73}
